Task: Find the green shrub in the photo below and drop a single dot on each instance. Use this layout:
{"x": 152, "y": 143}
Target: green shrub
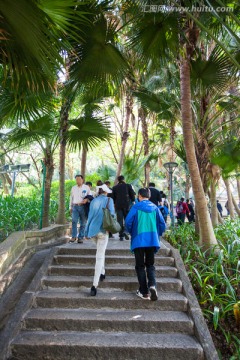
{"x": 215, "y": 276}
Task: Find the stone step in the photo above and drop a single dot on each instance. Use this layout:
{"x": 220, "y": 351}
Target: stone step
{"x": 149, "y": 321}
{"x": 100, "y": 345}
{"x": 107, "y": 298}
{"x": 111, "y": 270}
{"x": 125, "y": 283}
{"x": 76, "y": 249}
{"x": 90, "y": 259}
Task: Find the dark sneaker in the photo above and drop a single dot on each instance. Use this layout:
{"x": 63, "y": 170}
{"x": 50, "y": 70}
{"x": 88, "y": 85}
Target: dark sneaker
{"x": 93, "y": 291}
{"x": 126, "y": 236}
{"x": 153, "y": 293}
{"x": 144, "y": 297}
{"x": 102, "y": 277}
{"x": 80, "y": 241}
{"x": 121, "y": 239}
{"x": 72, "y": 240}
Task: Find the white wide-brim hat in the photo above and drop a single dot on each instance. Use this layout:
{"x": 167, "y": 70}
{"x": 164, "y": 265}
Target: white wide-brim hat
{"x": 104, "y": 188}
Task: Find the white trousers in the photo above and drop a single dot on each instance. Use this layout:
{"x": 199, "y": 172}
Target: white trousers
{"x": 101, "y": 240}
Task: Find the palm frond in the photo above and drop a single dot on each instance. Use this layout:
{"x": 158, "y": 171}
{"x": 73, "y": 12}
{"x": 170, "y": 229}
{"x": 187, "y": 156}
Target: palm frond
{"x": 87, "y": 132}
{"x": 97, "y": 61}
{"x": 214, "y": 73}
{"x": 151, "y": 101}
{"x": 32, "y": 131}
{"x": 179, "y": 150}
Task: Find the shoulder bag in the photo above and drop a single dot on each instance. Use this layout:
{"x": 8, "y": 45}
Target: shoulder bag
{"x": 110, "y": 223}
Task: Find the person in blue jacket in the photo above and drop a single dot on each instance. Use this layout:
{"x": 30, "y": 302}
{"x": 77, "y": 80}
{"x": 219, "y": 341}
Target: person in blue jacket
{"x": 145, "y": 223}
{"x": 95, "y": 231}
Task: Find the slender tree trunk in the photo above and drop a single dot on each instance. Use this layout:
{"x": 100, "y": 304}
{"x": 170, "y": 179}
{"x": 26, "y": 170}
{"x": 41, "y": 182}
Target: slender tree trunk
{"x": 84, "y": 162}
{"x": 64, "y": 114}
{"x": 143, "y": 118}
{"x": 48, "y": 182}
{"x": 187, "y": 186}
{"x": 238, "y": 189}
{"x": 220, "y": 219}
{"x": 213, "y": 201}
{"x": 4, "y": 183}
{"x": 235, "y": 206}
{"x": 125, "y": 135}
{"x": 70, "y": 166}
{"x": 207, "y": 236}
{"x": 229, "y": 197}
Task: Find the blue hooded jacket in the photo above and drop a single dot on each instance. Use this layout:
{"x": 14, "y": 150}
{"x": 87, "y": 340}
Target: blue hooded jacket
{"x": 145, "y": 223}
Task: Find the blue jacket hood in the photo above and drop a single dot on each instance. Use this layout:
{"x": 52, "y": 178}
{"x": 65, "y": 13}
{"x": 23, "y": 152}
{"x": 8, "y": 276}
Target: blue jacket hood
{"x": 146, "y": 206}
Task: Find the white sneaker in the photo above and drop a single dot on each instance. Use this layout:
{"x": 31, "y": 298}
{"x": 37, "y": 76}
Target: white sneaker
{"x": 153, "y": 293}
{"x": 144, "y": 297}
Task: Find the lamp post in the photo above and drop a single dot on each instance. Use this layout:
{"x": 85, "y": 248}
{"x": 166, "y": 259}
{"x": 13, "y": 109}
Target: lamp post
{"x": 170, "y": 167}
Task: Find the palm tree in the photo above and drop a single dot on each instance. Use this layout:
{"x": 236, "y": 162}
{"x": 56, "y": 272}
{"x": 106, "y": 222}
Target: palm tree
{"x": 156, "y": 36}
{"x": 83, "y": 133}
{"x": 40, "y": 131}
{"x": 95, "y": 63}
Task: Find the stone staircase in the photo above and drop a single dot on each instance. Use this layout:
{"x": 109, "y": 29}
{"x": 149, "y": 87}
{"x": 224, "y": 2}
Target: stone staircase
{"x": 65, "y": 322}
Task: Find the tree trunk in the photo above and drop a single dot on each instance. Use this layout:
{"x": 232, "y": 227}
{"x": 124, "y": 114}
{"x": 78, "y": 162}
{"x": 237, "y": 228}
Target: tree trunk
{"x": 125, "y": 135}
{"x": 84, "y": 162}
{"x": 64, "y": 114}
{"x": 207, "y": 236}
{"x": 238, "y": 188}
{"x": 187, "y": 186}
{"x": 229, "y": 197}
{"x": 48, "y": 182}
{"x": 143, "y": 118}
{"x": 235, "y": 206}
{"x": 213, "y": 201}
{"x": 220, "y": 219}
{"x": 4, "y": 183}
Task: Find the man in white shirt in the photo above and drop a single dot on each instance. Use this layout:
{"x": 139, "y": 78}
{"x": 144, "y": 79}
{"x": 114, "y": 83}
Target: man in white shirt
{"x": 77, "y": 202}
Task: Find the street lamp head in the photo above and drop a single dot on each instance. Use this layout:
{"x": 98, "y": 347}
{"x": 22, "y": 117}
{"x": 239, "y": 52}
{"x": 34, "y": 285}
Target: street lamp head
{"x": 14, "y": 168}
{"x": 24, "y": 167}
{"x": 170, "y": 166}
{"x": 18, "y": 168}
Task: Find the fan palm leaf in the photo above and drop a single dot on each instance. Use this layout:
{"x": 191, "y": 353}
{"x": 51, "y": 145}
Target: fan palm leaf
{"x": 97, "y": 61}
{"x": 87, "y": 132}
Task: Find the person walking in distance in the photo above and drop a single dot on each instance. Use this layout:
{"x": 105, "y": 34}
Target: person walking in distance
{"x": 95, "y": 231}
{"x": 122, "y": 194}
{"x": 145, "y": 223}
{"x": 182, "y": 209}
{"x": 191, "y": 214}
{"x": 155, "y": 196}
{"x": 220, "y": 208}
{"x": 77, "y": 203}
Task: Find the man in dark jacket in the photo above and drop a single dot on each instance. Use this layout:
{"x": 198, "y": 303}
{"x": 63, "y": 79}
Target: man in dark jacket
{"x": 122, "y": 194}
{"x": 219, "y": 207}
{"x": 155, "y": 196}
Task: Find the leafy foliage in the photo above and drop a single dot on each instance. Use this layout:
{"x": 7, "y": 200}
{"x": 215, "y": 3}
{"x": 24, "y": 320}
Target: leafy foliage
{"x": 215, "y": 276}
{"x": 21, "y": 213}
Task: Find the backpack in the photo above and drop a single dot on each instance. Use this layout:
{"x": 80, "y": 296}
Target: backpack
{"x": 179, "y": 207}
{"x": 161, "y": 208}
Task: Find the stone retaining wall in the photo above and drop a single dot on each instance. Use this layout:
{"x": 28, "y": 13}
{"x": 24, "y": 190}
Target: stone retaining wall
{"x": 23, "y": 244}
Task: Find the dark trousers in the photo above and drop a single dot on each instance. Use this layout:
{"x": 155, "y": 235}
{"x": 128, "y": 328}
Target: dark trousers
{"x": 181, "y": 218}
{"x": 121, "y": 216}
{"x": 145, "y": 269}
